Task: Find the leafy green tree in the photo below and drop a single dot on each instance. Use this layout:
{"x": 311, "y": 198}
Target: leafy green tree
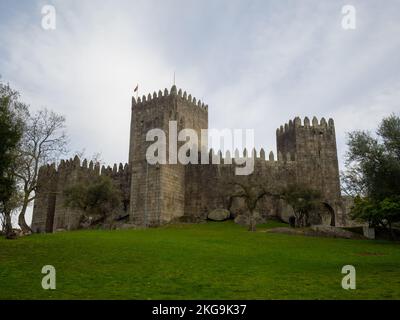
{"x": 303, "y": 200}
{"x": 378, "y": 213}
{"x": 374, "y": 170}
{"x": 11, "y": 128}
{"x": 97, "y": 198}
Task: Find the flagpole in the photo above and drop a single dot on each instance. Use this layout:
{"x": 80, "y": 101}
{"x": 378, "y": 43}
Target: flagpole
{"x": 137, "y": 92}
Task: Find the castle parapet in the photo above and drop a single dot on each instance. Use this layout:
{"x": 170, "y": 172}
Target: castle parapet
{"x": 238, "y": 157}
{"x": 314, "y": 124}
{"x": 69, "y": 165}
{"x": 143, "y": 101}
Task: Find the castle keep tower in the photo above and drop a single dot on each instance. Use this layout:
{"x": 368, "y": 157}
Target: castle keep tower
{"x": 158, "y": 191}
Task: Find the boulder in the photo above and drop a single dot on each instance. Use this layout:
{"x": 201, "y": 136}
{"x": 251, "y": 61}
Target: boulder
{"x": 218, "y": 215}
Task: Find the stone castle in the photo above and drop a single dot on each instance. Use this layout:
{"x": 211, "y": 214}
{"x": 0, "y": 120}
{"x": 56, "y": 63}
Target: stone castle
{"x": 153, "y": 195}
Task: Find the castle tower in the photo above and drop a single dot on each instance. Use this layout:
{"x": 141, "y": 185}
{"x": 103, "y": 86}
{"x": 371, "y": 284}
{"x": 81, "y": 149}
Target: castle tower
{"x": 45, "y": 201}
{"x": 313, "y": 147}
{"x": 158, "y": 190}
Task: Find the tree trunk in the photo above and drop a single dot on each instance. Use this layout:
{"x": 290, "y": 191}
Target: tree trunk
{"x": 297, "y": 221}
{"x": 9, "y": 232}
{"x": 306, "y": 220}
{"x": 391, "y": 231}
{"x": 300, "y": 220}
{"x": 252, "y": 222}
{"x": 21, "y": 220}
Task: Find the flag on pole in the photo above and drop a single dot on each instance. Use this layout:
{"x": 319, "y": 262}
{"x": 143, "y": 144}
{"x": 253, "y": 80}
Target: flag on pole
{"x": 136, "y": 90}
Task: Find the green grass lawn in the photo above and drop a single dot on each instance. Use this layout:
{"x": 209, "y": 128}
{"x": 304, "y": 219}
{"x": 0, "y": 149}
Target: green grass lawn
{"x": 199, "y": 261}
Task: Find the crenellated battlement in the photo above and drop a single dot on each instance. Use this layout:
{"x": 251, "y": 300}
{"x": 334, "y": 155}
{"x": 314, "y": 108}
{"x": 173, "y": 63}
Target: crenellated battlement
{"x": 314, "y": 124}
{"x": 237, "y": 157}
{"x": 75, "y": 164}
{"x": 174, "y": 93}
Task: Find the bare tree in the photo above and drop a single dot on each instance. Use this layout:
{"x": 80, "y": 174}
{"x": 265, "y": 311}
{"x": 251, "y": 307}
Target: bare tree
{"x": 43, "y": 141}
{"x": 252, "y": 193}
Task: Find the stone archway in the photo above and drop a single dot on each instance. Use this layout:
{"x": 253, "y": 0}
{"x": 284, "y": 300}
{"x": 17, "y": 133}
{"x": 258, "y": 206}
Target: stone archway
{"x": 327, "y": 215}
{"x": 284, "y": 211}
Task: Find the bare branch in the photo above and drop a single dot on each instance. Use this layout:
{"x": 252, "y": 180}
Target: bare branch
{"x": 43, "y": 141}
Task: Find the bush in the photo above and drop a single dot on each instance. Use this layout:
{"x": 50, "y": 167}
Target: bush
{"x": 98, "y": 198}
{"x": 378, "y": 213}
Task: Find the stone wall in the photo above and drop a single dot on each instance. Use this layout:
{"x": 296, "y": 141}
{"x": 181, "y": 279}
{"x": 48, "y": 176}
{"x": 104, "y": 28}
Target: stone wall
{"x": 211, "y": 186}
{"x": 50, "y": 213}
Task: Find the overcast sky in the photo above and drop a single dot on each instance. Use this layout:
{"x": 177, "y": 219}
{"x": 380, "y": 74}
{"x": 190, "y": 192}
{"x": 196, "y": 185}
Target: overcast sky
{"x": 257, "y": 64}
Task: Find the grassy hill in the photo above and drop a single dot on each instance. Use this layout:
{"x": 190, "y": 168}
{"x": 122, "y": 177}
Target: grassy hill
{"x": 202, "y": 261}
